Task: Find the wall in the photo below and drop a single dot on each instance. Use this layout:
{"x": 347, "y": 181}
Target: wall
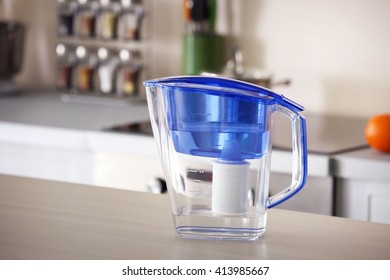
{"x": 335, "y": 52}
{"x": 39, "y": 52}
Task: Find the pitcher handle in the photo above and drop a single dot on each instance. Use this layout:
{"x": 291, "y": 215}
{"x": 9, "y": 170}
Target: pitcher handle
{"x": 299, "y": 157}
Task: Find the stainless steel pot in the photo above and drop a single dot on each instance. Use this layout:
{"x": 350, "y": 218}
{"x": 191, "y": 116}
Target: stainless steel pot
{"x": 236, "y": 69}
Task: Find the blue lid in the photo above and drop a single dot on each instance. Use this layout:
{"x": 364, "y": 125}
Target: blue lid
{"x": 219, "y": 85}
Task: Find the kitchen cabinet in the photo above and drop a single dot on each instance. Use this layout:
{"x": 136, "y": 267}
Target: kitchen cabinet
{"x": 316, "y": 197}
{"x": 129, "y": 161}
{"x": 86, "y": 157}
{"x": 362, "y": 183}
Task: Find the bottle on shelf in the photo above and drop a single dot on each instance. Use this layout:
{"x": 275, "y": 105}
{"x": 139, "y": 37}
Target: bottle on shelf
{"x": 128, "y": 74}
{"x": 107, "y": 23}
{"x": 85, "y": 19}
{"x": 130, "y": 20}
{"x": 66, "y": 10}
{"x": 65, "y": 64}
{"x": 106, "y": 68}
{"x": 85, "y": 70}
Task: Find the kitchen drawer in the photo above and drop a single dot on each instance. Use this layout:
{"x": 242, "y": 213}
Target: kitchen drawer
{"x": 126, "y": 172}
{"x": 379, "y": 208}
{"x": 315, "y": 197}
{"x": 362, "y": 185}
{"x": 364, "y": 200}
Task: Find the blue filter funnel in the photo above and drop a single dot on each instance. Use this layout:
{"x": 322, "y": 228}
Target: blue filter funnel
{"x": 231, "y": 151}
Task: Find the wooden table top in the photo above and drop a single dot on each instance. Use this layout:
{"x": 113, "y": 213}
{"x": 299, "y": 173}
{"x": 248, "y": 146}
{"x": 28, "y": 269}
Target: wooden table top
{"x": 42, "y": 219}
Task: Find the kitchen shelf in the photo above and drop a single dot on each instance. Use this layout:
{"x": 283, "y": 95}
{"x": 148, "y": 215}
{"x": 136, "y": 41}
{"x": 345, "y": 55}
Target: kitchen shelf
{"x": 112, "y": 44}
{"x": 79, "y": 77}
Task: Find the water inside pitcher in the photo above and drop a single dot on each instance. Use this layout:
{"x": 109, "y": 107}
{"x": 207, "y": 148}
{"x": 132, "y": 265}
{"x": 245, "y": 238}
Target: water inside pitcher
{"x": 214, "y": 139}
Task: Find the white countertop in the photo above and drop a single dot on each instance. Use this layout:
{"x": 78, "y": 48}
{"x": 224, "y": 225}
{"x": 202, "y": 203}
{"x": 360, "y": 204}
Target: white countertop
{"x": 47, "y": 109}
{"x": 367, "y": 163}
{"x": 326, "y": 135}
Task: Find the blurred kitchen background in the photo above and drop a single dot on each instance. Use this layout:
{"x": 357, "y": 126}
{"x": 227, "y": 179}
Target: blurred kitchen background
{"x": 333, "y": 53}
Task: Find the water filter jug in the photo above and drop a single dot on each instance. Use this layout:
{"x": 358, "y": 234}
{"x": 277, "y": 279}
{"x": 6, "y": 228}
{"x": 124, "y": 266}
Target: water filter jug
{"x": 214, "y": 137}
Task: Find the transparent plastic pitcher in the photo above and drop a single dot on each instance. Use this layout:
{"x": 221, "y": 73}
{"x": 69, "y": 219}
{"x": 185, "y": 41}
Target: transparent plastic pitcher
{"x": 214, "y": 139}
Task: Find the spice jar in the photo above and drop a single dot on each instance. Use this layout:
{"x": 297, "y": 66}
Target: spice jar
{"x": 65, "y": 64}
{"x": 128, "y": 73}
{"x": 130, "y": 20}
{"x": 106, "y": 71}
{"x": 86, "y": 18}
{"x": 108, "y": 19}
{"x": 66, "y": 11}
{"x": 85, "y": 70}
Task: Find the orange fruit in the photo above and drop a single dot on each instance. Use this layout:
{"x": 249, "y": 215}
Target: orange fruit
{"x": 378, "y": 132}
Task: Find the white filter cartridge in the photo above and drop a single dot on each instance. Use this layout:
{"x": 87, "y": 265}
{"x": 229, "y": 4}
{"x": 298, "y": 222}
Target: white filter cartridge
{"x": 230, "y": 181}
{"x": 230, "y": 187}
